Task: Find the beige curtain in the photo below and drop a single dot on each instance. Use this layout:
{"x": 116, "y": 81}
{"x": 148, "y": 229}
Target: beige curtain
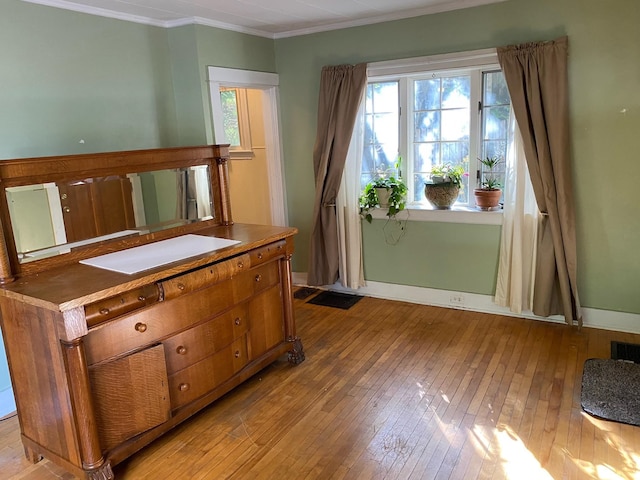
{"x": 341, "y": 90}
{"x": 536, "y": 75}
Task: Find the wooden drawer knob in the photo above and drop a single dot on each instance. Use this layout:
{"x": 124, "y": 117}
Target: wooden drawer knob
{"x": 142, "y": 298}
{"x": 104, "y": 311}
{"x": 180, "y": 286}
{"x": 260, "y": 256}
{"x": 240, "y": 264}
{"x": 237, "y": 321}
{"x": 141, "y": 327}
{"x": 183, "y": 387}
{"x": 181, "y": 350}
{"x": 237, "y": 354}
{"x": 258, "y": 277}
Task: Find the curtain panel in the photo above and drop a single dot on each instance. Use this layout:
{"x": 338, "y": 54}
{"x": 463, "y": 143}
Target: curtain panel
{"x": 341, "y": 90}
{"x": 536, "y": 75}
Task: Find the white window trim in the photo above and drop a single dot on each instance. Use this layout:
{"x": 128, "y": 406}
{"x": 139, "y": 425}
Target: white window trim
{"x": 485, "y": 59}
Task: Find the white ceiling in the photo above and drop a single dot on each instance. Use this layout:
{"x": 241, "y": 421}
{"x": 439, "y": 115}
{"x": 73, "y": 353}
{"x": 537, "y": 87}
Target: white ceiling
{"x": 268, "y": 18}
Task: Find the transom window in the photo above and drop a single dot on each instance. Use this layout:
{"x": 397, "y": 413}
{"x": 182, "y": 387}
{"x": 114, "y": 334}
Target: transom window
{"x": 427, "y": 117}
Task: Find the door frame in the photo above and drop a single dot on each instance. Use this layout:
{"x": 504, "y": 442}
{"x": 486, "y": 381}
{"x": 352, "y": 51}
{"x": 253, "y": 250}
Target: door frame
{"x": 269, "y": 83}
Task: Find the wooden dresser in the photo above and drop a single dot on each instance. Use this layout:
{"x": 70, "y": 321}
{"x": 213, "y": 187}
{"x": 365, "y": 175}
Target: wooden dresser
{"x": 104, "y": 362}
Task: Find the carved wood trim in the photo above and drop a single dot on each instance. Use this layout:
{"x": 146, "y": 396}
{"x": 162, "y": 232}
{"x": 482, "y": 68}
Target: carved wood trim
{"x": 225, "y": 198}
{"x": 93, "y": 461}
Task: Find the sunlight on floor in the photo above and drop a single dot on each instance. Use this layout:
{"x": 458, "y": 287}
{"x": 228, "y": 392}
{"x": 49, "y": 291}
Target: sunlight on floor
{"x": 628, "y": 453}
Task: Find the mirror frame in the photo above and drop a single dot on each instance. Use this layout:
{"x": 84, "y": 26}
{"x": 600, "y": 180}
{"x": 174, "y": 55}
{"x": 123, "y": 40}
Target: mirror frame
{"x": 65, "y": 168}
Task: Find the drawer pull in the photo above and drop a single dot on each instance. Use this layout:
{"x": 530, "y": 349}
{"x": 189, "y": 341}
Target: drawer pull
{"x": 181, "y": 350}
{"x": 180, "y": 286}
{"x": 258, "y": 277}
{"x": 237, "y": 321}
{"x": 104, "y": 311}
{"x": 142, "y": 298}
{"x": 141, "y": 327}
{"x": 260, "y": 256}
{"x": 183, "y": 387}
{"x": 237, "y": 354}
{"x": 240, "y": 264}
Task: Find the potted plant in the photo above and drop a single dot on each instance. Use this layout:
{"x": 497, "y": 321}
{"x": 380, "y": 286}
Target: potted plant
{"x": 384, "y": 192}
{"x": 444, "y": 185}
{"x": 489, "y": 194}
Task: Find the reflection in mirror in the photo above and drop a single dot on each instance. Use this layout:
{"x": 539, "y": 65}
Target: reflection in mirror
{"x": 52, "y": 218}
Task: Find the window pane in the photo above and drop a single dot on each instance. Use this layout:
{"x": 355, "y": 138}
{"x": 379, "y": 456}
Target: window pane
{"x": 456, "y": 92}
{"x": 495, "y": 89}
{"x": 381, "y": 130}
{"x": 427, "y": 126}
{"x": 425, "y": 155}
{"x": 455, "y": 124}
{"x": 385, "y": 97}
{"x": 496, "y": 122}
{"x": 427, "y": 94}
{"x": 455, "y": 153}
{"x": 230, "y": 117}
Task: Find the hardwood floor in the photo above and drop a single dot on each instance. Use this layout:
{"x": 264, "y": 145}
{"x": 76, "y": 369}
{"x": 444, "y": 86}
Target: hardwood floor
{"x": 393, "y": 390}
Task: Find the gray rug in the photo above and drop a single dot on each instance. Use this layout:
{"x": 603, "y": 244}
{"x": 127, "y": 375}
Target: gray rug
{"x": 611, "y": 390}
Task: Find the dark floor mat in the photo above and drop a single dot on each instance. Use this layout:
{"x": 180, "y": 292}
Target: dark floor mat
{"x": 625, "y": 351}
{"x": 611, "y": 390}
{"x": 304, "y": 292}
{"x": 335, "y": 299}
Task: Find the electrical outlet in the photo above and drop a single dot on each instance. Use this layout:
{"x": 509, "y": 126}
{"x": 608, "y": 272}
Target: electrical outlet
{"x": 456, "y": 299}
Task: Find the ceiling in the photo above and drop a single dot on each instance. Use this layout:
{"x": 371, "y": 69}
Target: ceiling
{"x": 268, "y": 18}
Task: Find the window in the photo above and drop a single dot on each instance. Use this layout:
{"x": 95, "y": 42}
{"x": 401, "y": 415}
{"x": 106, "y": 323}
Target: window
{"x": 235, "y": 121}
{"x": 429, "y": 113}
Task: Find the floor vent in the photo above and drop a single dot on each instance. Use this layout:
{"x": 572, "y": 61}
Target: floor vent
{"x": 629, "y": 352}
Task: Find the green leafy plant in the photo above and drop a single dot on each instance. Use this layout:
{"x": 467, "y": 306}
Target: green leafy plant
{"x": 447, "y": 173}
{"x": 489, "y": 180}
{"x": 397, "y": 198}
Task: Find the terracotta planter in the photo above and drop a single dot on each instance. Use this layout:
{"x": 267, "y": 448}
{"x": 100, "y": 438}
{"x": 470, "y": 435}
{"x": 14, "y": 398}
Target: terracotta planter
{"x": 441, "y": 195}
{"x": 487, "y": 199}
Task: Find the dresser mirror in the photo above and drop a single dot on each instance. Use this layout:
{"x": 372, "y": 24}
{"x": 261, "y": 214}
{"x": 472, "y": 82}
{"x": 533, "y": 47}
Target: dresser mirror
{"x": 63, "y": 209}
{"x": 52, "y": 218}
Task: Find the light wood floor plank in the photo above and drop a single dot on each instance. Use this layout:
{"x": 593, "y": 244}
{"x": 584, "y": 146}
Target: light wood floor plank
{"x": 392, "y": 390}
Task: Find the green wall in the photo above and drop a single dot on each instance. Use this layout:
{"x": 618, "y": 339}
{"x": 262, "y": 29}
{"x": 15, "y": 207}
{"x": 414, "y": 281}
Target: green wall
{"x": 604, "y": 79}
{"x": 67, "y": 76}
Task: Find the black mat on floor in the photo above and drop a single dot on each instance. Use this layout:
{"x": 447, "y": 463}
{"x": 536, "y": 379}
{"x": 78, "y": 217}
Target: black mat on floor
{"x": 611, "y": 390}
{"x": 304, "y": 292}
{"x": 625, "y": 351}
{"x": 335, "y": 299}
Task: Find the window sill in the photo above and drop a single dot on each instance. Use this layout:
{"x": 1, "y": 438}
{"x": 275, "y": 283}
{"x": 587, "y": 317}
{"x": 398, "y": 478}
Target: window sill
{"x": 423, "y": 213}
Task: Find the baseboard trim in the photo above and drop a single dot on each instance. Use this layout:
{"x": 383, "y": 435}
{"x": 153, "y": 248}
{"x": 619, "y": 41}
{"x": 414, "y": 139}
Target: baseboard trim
{"x": 592, "y": 317}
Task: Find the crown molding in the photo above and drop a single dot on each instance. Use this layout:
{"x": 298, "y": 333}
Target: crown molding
{"x": 102, "y": 12}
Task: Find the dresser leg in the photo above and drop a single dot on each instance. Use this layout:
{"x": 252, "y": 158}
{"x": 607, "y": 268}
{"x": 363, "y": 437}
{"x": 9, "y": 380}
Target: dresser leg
{"x": 31, "y": 455}
{"x": 296, "y": 354}
{"x": 104, "y": 472}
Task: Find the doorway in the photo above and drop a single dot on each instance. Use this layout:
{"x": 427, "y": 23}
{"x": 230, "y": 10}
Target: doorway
{"x": 255, "y": 167}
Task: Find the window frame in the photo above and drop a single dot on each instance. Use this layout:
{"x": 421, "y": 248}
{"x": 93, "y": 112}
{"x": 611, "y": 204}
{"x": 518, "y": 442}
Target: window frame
{"x": 405, "y": 71}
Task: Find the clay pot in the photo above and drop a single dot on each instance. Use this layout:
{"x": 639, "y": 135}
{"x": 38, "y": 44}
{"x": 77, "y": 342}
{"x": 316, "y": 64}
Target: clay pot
{"x": 441, "y": 195}
{"x": 487, "y": 199}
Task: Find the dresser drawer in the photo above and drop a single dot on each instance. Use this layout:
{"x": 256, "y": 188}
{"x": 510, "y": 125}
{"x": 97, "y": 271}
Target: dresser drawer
{"x": 257, "y": 280}
{"x": 109, "y": 308}
{"x": 203, "y": 277}
{"x": 199, "y": 342}
{"x": 268, "y": 252}
{"x": 159, "y": 321}
{"x": 202, "y": 377}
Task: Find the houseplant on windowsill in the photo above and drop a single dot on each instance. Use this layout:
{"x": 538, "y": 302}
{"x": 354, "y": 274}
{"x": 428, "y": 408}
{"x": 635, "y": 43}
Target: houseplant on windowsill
{"x": 489, "y": 194}
{"x": 444, "y": 185}
{"x": 384, "y": 192}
